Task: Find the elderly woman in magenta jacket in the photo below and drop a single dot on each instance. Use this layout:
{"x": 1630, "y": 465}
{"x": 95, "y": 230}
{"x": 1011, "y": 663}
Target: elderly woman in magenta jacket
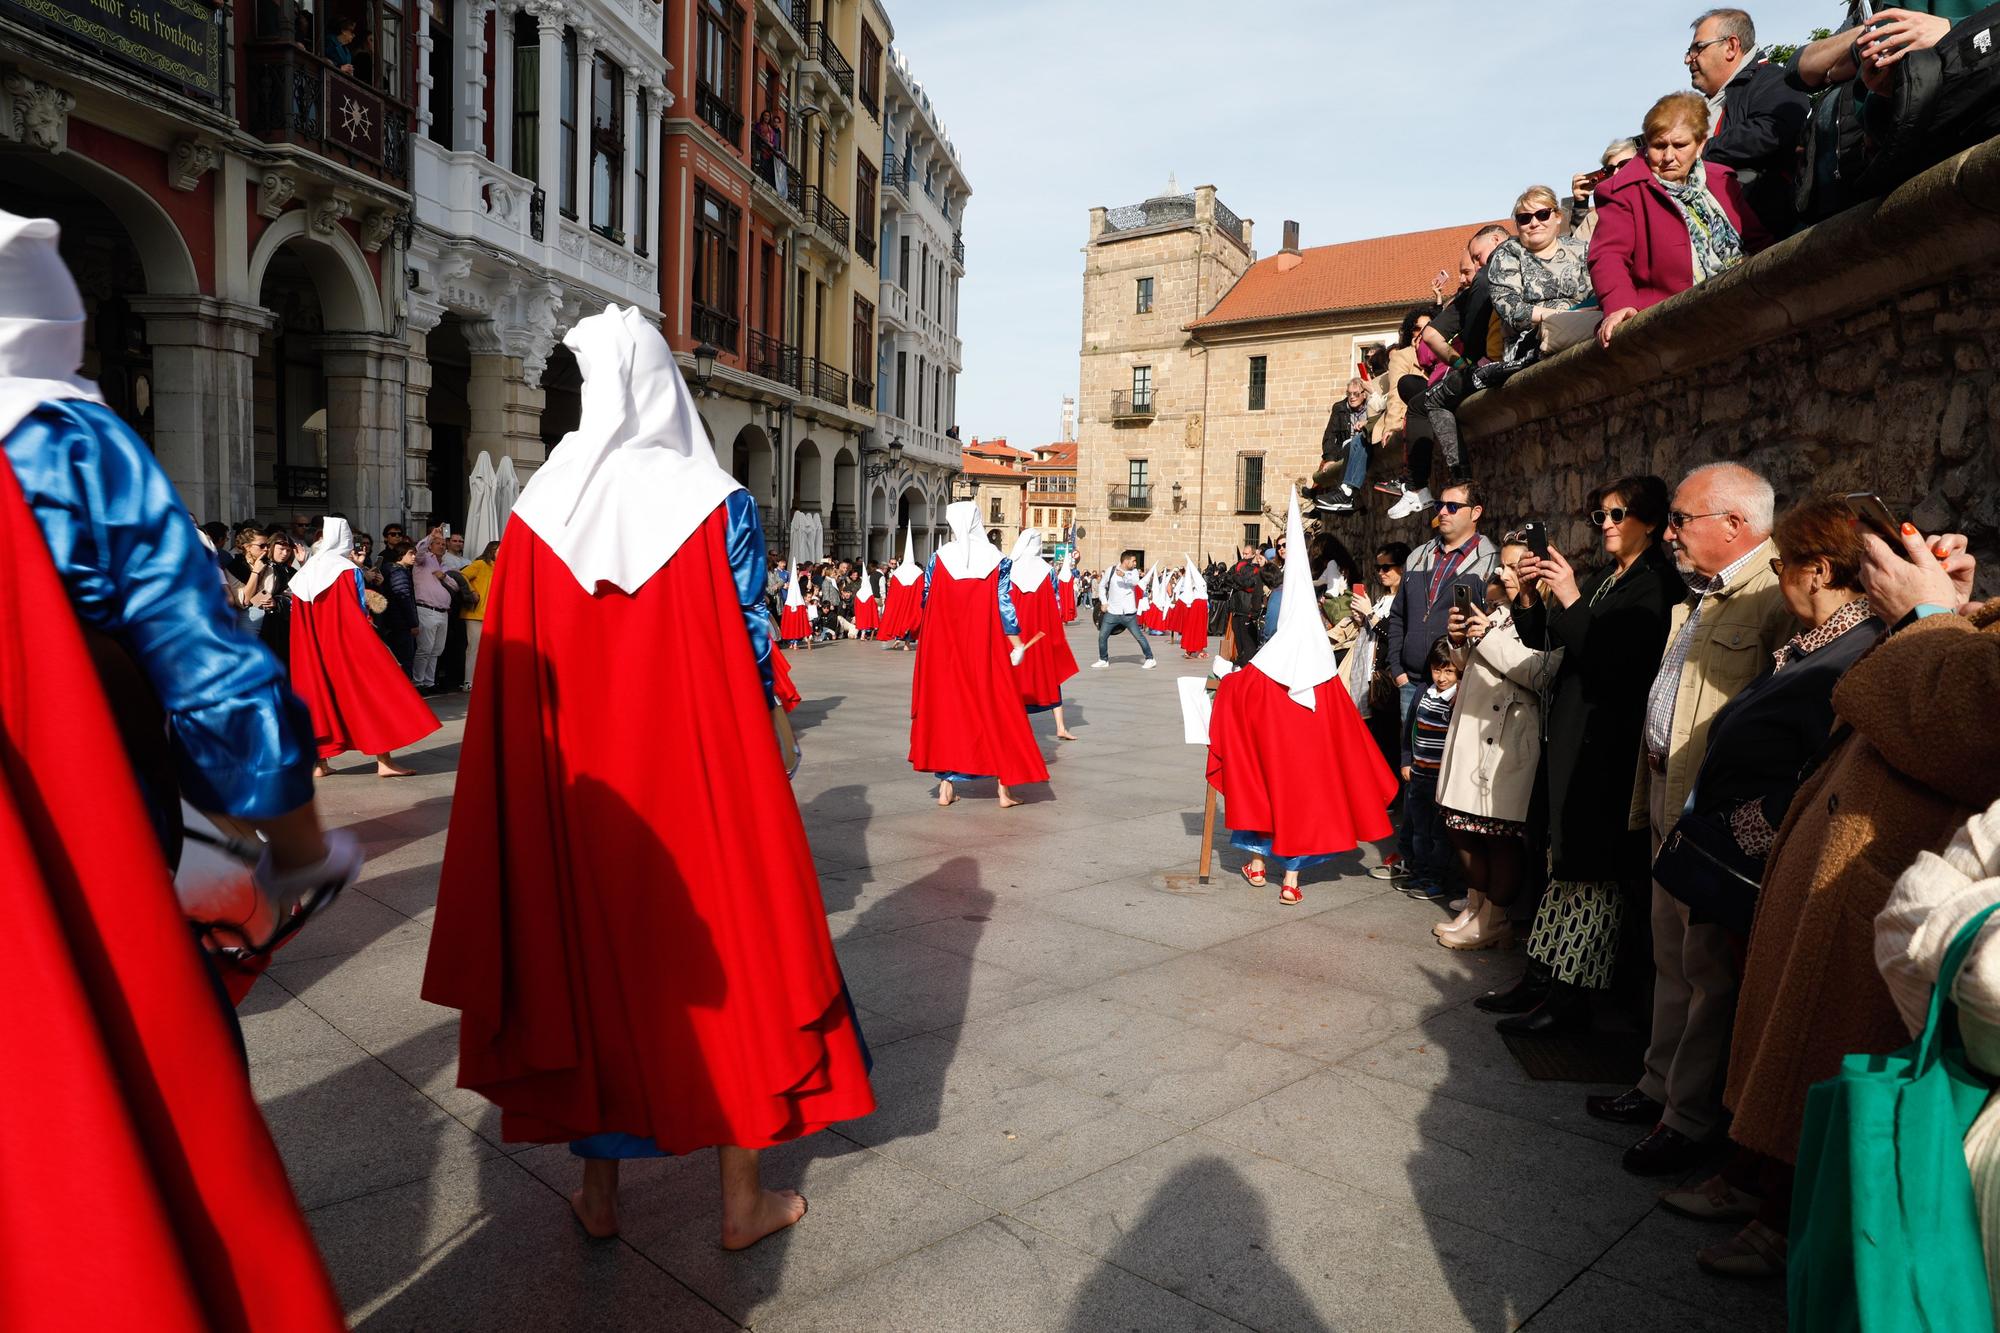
{"x": 1667, "y": 220}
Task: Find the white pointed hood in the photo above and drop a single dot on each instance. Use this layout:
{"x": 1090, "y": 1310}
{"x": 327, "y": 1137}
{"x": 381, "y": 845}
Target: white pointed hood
{"x": 638, "y": 475}
{"x": 968, "y": 555}
{"x": 331, "y": 560}
{"x": 1067, "y": 573}
{"x": 1194, "y": 588}
{"x": 41, "y": 322}
{"x": 1298, "y": 655}
{"x": 866, "y": 592}
{"x": 506, "y": 490}
{"x": 792, "y": 594}
{"x": 482, "y": 516}
{"x": 1029, "y": 570}
{"x": 909, "y": 571}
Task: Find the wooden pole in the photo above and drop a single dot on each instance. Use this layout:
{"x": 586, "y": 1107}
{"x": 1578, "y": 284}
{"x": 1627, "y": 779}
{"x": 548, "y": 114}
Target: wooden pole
{"x": 1207, "y": 832}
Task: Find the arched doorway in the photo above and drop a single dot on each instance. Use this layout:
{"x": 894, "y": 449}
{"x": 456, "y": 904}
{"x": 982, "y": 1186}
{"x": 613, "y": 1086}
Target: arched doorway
{"x": 881, "y": 541}
{"x": 294, "y": 460}
{"x": 910, "y": 518}
{"x": 562, "y": 396}
{"x": 845, "y": 525}
{"x": 448, "y": 408}
{"x": 751, "y": 463}
{"x": 807, "y": 483}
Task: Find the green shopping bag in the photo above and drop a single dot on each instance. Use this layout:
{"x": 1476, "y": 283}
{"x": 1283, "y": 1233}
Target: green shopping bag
{"x": 1885, "y": 1235}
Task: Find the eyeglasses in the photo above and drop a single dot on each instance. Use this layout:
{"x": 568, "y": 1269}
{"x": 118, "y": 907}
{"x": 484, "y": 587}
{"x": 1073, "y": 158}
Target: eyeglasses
{"x": 1539, "y": 215}
{"x": 1616, "y": 514}
{"x": 1696, "y": 48}
{"x": 1680, "y": 520}
{"x": 1451, "y": 506}
{"x": 1384, "y": 569}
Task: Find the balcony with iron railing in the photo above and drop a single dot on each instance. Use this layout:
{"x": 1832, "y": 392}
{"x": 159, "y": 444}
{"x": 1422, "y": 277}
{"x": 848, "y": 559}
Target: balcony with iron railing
{"x": 820, "y": 50}
{"x": 822, "y": 213}
{"x": 896, "y": 175}
{"x": 1053, "y": 489}
{"x": 785, "y": 22}
{"x": 864, "y": 393}
{"x": 767, "y": 358}
{"x": 298, "y": 97}
{"x": 779, "y": 180}
{"x": 958, "y": 250}
{"x": 1131, "y": 500}
{"x": 715, "y": 328}
{"x": 723, "y": 118}
{"x": 1129, "y": 409}
{"x": 824, "y": 382}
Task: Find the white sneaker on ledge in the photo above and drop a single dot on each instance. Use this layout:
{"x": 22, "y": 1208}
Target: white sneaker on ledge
{"x": 1413, "y": 502}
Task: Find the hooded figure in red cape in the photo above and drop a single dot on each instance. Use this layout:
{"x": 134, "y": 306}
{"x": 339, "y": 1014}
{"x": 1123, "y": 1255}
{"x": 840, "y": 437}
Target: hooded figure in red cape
{"x": 903, "y": 607}
{"x": 966, "y": 720}
{"x": 867, "y": 611}
{"x": 795, "y": 624}
{"x": 1193, "y": 600}
{"x": 142, "y": 1189}
{"x": 1301, "y": 779}
{"x": 358, "y": 696}
{"x": 1046, "y": 661}
{"x": 1066, "y": 589}
{"x": 628, "y": 915}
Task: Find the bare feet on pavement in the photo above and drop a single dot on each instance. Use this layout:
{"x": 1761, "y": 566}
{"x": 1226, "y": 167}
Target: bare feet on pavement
{"x": 774, "y": 1210}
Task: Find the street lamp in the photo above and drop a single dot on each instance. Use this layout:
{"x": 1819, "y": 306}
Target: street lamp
{"x": 1179, "y": 503}
{"x": 704, "y": 364}
{"x": 891, "y": 456}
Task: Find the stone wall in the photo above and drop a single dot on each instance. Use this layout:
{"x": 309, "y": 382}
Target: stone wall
{"x": 1859, "y": 355}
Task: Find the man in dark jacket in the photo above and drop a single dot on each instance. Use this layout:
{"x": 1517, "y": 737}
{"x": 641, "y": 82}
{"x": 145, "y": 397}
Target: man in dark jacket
{"x": 1757, "y": 116}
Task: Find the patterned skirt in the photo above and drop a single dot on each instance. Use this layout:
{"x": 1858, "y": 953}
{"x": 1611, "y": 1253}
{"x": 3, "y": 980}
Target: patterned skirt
{"x": 1576, "y": 931}
{"x": 1460, "y": 822}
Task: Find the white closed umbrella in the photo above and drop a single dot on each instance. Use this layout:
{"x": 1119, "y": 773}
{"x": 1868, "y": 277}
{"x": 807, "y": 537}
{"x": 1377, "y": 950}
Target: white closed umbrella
{"x": 506, "y": 490}
{"x": 482, "y": 512}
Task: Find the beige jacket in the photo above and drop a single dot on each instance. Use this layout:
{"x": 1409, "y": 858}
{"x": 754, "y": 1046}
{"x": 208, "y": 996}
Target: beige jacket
{"x": 1402, "y": 361}
{"x": 1494, "y": 746}
{"x": 1741, "y": 626}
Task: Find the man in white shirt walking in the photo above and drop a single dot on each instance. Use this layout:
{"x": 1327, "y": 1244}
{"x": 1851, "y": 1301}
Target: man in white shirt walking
{"x": 1120, "y": 595}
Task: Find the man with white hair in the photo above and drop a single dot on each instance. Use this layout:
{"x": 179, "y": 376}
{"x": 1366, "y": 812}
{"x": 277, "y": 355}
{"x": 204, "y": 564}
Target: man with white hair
{"x": 1719, "y": 527}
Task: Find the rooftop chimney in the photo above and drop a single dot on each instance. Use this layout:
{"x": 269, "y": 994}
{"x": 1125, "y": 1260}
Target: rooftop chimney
{"x": 1291, "y": 237}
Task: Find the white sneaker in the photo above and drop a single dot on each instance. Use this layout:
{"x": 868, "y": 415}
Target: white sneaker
{"x": 1100, "y": 666}
{"x": 1149, "y": 664}
{"x": 1413, "y": 502}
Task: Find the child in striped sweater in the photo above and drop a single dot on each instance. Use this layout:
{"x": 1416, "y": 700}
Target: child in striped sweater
{"x": 1423, "y": 755}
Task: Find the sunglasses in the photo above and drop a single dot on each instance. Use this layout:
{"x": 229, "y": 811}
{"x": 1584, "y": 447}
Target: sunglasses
{"x": 1384, "y": 569}
{"x": 1451, "y": 506}
{"x": 1539, "y": 215}
{"x": 1616, "y": 514}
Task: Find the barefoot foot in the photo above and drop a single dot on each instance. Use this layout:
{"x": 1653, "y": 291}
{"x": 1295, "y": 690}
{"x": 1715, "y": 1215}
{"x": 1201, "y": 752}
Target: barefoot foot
{"x": 1007, "y": 801}
{"x": 598, "y": 1220}
{"x": 945, "y": 794}
{"x": 322, "y": 770}
{"x": 1065, "y": 736}
{"x": 388, "y": 768}
{"x": 774, "y": 1211}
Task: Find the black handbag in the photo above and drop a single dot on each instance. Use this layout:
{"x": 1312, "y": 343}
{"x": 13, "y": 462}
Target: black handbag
{"x": 1700, "y": 864}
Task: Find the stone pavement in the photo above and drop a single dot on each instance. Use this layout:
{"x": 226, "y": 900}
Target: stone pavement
{"x": 1107, "y": 1102}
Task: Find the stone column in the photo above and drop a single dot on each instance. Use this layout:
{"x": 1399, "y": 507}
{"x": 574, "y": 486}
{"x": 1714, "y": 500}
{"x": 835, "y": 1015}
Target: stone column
{"x": 503, "y": 85}
{"x": 548, "y": 123}
{"x": 586, "y": 61}
{"x": 471, "y": 57}
{"x": 204, "y": 418}
{"x": 656, "y": 112}
{"x": 417, "y": 378}
{"x": 366, "y": 415}
{"x": 504, "y": 393}
{"x": 628, "y": 179}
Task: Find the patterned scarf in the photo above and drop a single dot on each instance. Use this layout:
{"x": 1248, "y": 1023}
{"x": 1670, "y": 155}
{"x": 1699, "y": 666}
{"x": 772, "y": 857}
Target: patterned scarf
{"x": 1842, "y": 620}
{"x": 1717, "y": 245}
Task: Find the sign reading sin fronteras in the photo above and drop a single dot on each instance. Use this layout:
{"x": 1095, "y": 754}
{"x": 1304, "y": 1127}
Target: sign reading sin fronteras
{"x": 175, "y": 42}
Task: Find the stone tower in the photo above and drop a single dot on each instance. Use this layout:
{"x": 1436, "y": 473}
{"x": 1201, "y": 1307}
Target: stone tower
{"x": 1149, "y": 269}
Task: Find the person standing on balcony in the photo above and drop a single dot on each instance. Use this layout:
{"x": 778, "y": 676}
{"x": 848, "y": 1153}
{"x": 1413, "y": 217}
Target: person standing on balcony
{"x": 340, "y": 46}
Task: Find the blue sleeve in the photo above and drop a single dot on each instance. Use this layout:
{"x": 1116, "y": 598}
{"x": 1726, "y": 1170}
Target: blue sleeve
{"x": 744, "y": 542}
{"x": 929, "y": 565}
{"x": 361, "y": 589}
{"x": 135, "y": 569}
{"x": 1010, "y": 619}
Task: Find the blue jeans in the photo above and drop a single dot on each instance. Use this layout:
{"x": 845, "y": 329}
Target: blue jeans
{"x": 1111, "y": 625}
{"x": 1430, "y": 855}
{"x": 1357, "y": 463}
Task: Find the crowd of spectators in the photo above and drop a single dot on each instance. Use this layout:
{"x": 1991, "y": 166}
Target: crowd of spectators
{"x": 426, "y": 599}
{"x": 829, "y": 588}
{"x": 1717, "y": 173}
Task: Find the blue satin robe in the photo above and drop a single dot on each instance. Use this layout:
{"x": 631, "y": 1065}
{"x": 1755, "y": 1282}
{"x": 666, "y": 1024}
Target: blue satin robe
{"x": 135, "y": 569}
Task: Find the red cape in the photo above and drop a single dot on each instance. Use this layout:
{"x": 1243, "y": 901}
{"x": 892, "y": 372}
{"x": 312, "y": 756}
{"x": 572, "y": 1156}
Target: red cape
{"x": 1312, "y": 779}
{"x": 965, "y": 711}
{"x": 1049, "y": 663}
{"x": 1066, "y": 599}
{"x": 868, "y": 614}
{"x": 143, "y": 1190}
{"x": 357, "y": 694}
{"x": 794, "y": 624}
{"x": 903, "y": 608}
{"x": 781, "y": 680}
{"x": 628, "y": 915}
{"x": 1194, "y": 626}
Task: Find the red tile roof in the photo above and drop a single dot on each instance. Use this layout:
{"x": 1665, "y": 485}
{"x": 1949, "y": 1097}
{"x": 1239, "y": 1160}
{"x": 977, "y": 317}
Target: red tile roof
{"x": 975, "y": 466}
{"x": 1355, "y": 275}
{"x": 1056, "y": 455}
{"x": 995, "y": 449}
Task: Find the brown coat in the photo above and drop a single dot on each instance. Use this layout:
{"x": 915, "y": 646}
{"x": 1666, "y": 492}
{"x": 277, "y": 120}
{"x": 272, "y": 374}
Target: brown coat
{"x": 1922, "y": 757}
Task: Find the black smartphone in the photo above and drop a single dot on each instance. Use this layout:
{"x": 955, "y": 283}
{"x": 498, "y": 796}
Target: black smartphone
{"x": 1461, "y": 598}
{"x": 1537, "y": 538}
{"x": 1872, "y": 514}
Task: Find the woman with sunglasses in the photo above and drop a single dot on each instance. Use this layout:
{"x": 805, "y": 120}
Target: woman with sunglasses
{"x": 1612, "y": 627}
{"x": 1538, "y": 271}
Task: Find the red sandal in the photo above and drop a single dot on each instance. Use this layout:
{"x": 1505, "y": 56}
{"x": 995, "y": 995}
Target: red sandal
{"x": 1256, "y": 881}
{"x": 1290, "y": 896}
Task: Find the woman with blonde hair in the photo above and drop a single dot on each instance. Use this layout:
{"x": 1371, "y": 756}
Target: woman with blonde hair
{"x": 1538, "y": 271}
{"x": 1667, "y": 220}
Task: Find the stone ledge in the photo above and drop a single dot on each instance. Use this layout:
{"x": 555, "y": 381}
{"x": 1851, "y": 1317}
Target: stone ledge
{"x": 1939, "y": 223}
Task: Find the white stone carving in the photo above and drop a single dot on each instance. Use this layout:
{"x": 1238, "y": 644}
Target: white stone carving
{"x": 275, "y": 193}
{"x": 38, "y": 113}
{"x": 192, "y": 159}
{"x": 376, "y": 229}
{"x": 329, "y": 213}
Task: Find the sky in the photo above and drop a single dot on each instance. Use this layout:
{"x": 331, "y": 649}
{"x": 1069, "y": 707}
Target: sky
{"x": 1354, "y": 119}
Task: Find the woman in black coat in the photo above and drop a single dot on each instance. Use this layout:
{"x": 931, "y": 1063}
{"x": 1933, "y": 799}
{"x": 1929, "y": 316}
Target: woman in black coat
{"x": 397, "y": 622}
{"x": 1612, "y": 629}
